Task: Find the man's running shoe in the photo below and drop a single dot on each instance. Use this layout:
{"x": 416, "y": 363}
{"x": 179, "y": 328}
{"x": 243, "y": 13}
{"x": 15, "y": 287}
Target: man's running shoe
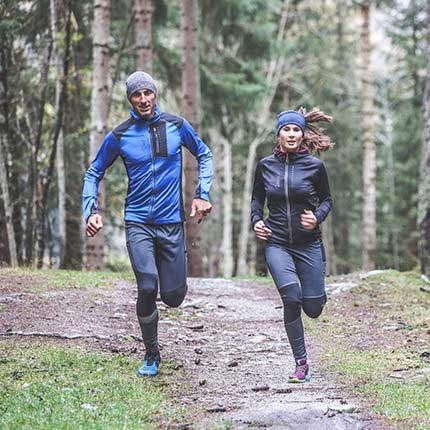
{"x": 150, "y": 364}
{"x": 302, "y": 372}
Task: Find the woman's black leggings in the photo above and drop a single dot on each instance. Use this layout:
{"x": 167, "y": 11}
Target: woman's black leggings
{"x": 298, "y": 272}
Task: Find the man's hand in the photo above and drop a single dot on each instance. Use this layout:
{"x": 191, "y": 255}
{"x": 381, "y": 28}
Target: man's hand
{"x": 201, "y": 207}
{"x": 94, "y": 224}
{"x": 261, "y": 231}
{"x": 308, "y": 219}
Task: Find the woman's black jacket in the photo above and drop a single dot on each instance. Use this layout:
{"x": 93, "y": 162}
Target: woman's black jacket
{"x": 291, "y": 183}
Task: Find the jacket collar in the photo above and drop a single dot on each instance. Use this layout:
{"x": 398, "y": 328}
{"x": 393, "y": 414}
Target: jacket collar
{"x": 291, "y": 156}
{"x": 154, "y": 119}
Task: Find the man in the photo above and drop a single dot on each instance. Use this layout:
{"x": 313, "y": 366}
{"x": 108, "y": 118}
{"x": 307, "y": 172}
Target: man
{"x": 150, "y": 144}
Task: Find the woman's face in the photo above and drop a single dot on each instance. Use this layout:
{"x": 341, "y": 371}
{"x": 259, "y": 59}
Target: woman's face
{"x": 290, "y": 138}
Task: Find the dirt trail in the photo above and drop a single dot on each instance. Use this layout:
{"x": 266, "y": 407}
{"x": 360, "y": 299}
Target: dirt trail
{"x": 229, "y": 339}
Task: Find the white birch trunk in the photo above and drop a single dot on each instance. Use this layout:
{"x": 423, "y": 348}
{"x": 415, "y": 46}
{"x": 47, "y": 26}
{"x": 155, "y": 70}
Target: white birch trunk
{"x": 61, "y": 178}
{"x": 99, "y": 115}
{"x": 143, "y": 34}
{"x": 227, "y": 205}
{"x": 214, "y": 223}
{"x": 369, "y": 156}
{"x": 227, "y": 211}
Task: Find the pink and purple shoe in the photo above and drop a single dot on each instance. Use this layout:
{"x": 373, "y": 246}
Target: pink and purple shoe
{"x": 301, "y": 373}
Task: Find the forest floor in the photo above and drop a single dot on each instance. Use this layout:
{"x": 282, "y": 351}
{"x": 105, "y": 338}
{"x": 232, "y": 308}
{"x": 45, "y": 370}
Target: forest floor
{"x": 225, "y": 355}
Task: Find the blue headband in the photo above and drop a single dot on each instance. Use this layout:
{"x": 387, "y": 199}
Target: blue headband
{"x": 291, "y": 117}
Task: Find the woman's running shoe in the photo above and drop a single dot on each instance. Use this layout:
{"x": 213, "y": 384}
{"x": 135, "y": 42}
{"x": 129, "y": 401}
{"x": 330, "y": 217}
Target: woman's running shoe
{"x": 302, "y": 372}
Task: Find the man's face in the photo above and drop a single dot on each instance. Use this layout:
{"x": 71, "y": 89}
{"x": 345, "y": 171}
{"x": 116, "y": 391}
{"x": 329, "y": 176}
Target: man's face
{"x": 143, "y": 102}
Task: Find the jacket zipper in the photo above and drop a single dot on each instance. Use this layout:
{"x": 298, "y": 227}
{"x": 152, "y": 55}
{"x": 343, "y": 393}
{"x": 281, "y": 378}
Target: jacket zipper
{"x": 290, "y": 231}
{"x": 153, "y": 170}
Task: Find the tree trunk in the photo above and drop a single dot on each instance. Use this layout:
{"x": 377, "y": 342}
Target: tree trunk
{"x": 369, "y": 162}
{"x": 33, "y": 170}
{"x": 11, "y": 148}
{"x": 343, "y": 152}
{"x": 414, "y": 37}
{"x": 424, "y": 185}
{"x": 227, "y": 205}
{"x": 61, "y": 182}
{"x": 273, "y": 79}
{"x": 6, "y": 224}
{"x": 73, "y": 256}
{"x": 330, "y": 254}
{"x": 4, "y": 245}
{"x": 61, "y": 177}
{"x": 143, "y": 34}
{"x": 214, "y": 223}
{"x": 61, "y": 99}
{"x": 190, "y": 109}
{"x": 393, "y": 231}
{"x": 8, "y": 210}
{"x": 99, "y": 117}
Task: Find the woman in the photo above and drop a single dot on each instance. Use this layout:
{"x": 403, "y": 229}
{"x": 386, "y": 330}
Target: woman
{"x": 296, "y": 188}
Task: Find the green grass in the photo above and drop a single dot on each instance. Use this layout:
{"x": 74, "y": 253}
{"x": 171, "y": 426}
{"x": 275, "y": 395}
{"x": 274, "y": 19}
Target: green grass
{"x": 402, "y": 401}
{"x": 224, "y": 425}
{"x": 46, "y": 279}
{"x": 373, "y": 331}
{"x": 55, "y": 388}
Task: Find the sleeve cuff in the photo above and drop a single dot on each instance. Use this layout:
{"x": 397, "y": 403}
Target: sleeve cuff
{"x": 203, "y": 196}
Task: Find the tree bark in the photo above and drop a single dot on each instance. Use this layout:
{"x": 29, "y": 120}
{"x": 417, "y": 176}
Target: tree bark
{"x": 33, "y": 170}
{"x": 73, "y": 256}
{"x": 227, "y": 207}
{"x": 393, "y": 232}
{"x": 424, "y": 184}
{"x": 414, "y": 37}
{"x": 343, "y": 152}
{"x": 61, "y": 99}
{"x": 190, "y": 109}
{"x": 4, "y": 245}
{"x": 8, "y": 210}
{"x": 61, "y": 177}
{"x": 330, "y": 254}
{"x": 6, "y": 225}
{"x": 143, "y": 34}
{"x": 11, "y": 149}
{"x": 99, "y": 117}
{"x": 369, "y": 156}
{"x": 214, "y": 223}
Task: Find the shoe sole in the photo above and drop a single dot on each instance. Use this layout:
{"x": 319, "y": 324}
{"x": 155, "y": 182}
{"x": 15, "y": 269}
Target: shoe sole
{"x": 299, "y": 381}
{"x": 147, "y": 372}
{"x": 146, "y": 375}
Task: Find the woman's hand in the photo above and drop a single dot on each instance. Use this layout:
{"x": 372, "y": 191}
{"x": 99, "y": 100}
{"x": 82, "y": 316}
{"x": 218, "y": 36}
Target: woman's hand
{"x": 308, "y": 219}
{"x": 261, "y": 231}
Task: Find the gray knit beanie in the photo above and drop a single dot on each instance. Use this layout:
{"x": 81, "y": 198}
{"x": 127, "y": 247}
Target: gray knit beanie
{"x": 140, "y": 81}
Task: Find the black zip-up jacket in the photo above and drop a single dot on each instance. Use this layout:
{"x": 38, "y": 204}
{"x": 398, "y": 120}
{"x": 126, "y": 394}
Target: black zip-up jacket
{"x": 291, "y": 183}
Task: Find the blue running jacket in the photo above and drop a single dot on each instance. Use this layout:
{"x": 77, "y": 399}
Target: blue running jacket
{"x": 151, "y": 152}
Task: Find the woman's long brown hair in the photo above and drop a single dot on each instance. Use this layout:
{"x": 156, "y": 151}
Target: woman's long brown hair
{"x": 315, "y": 139}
